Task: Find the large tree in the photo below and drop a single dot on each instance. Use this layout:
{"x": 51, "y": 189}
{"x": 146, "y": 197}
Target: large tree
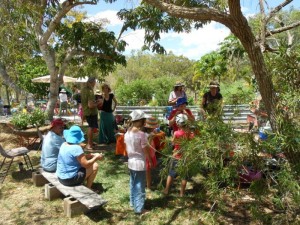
{"x": 63, "y": 41}
{"x": 180, "y": 15}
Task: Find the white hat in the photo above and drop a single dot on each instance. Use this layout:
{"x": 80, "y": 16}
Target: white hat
{"x": 181, "y": 119}
{"x": 63, "y": 91}
{"x": 137, "y": 115}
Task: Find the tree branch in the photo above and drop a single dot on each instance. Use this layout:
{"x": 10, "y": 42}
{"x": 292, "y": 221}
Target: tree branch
{"x": 93, "y": 54}
{"x": 282, "y": 29}
{"x": 66, "y": 7}
{"x": 196, "y": 14}
{"x": 277, "y": 9}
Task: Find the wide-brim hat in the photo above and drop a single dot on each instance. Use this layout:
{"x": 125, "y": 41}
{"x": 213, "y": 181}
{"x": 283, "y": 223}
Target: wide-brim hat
{"x": 74, "y": 135}
{"x": 213, "y": 84}
{"x": 57, "y": 122}
{"x": 138, "y": 115}
{"x": 98, "y": 92}
{"x": 181, "y": 101}
{"x": 178, "y": 84}
{"x": 151, "y": 122}
{"x": 181, "y": 119}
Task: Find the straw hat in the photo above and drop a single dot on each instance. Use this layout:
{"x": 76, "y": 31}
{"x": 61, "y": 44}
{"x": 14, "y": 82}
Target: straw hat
{"x": 151, "y": 122}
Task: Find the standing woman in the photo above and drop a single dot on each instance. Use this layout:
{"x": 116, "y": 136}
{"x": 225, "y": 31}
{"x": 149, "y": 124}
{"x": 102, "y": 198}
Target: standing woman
{"x": 107, "y": 119}
{"x": 178, "y": 92}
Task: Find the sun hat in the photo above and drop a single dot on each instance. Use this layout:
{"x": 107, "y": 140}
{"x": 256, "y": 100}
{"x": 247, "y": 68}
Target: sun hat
{"x": 181, "y": 119}
{"x": 181, "y": 101}
{"x": 137, "y": 115}
{"x": 57, "y": 122}
{"x": 151, "y": 122}
{"x": 62, "y": 91}
{"x": 74, "y": 135}
{"x": 98, "y": 92}
{"x": 213, "y": 84}
{"x": 178, "y": 84}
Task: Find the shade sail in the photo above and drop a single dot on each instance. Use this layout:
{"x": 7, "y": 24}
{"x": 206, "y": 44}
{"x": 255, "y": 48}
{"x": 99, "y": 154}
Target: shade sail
{"x": 46, "y": 79}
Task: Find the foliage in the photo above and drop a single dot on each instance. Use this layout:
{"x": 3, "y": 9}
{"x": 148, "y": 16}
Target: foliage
{"x": 36, "y": 118}
{"x": 237, "y": 93}
{"x": 30, "y": 69}
{"x": 20, "y": 120}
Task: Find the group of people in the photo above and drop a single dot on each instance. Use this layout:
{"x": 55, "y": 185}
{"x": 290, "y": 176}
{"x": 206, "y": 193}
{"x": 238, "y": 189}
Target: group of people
{"x": 63, "y": 153}
{"x": 104, "y": 102}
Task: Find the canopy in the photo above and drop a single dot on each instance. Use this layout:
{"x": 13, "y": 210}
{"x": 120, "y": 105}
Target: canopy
{"x": 46, "y": 79}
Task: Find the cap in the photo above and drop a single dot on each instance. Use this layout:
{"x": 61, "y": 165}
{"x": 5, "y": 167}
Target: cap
{"x": 57, "y": 122}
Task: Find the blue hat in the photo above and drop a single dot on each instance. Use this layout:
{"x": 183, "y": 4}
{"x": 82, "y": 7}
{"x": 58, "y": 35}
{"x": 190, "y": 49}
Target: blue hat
{"x": 181, "y": 101}
{"x": 74, "y": 135}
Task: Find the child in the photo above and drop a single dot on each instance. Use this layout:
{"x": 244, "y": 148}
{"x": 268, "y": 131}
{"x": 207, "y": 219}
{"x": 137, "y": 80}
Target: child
{"x": 179, "y": 135}
{"x": 137, "y": 150}
{"x": 150, "y": 126}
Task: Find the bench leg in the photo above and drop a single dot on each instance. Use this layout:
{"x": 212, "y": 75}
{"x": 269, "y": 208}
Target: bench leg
{"x": 51, "y": 192}
{"x": 72, "y": 207}
{"x": 38, "y": 179}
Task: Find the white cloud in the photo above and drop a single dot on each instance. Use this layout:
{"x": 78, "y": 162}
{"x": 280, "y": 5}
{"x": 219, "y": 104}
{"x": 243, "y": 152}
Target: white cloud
{"x": 110, "y": 15}
{"x": 192, "y": 45}
{"x": 198, "y": 42}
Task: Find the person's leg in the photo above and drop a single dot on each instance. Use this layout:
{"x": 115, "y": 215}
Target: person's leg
{"x": 148, "y": 178}
{"x": 90, "y": 137}
{"x": 172, "y": 174}
{"x": 168, "y": 185}
{"x": 182, "y": 189}
{"x": 140, "y": 193}
{"x": 91, "y": 173}
{"x": 131, "y": 186}
{"x": 92, "y": 123}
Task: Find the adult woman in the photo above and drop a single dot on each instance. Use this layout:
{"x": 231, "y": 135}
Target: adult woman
{"x": 107, "y": 119}
{"x": 178, "y": 92}
{"x": 212, "y": 100}
{"x": 73, "y": 166}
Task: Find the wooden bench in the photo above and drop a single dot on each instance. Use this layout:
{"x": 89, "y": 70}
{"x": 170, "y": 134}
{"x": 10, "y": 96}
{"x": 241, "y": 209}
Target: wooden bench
{"x": 78, "y": 199}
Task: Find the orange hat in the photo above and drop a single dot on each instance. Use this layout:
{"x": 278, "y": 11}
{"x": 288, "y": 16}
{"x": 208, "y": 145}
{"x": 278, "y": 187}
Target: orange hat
{"x": 57, "y": 122}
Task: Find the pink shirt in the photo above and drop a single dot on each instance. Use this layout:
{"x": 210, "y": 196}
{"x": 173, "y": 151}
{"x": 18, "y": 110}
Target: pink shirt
{"x": 135, "y": 142}
{"x": 179, "y": 137}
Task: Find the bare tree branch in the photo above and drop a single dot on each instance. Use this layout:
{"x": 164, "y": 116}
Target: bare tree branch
{"x": 282, "y": 29}
{"x": 277, "y": 9}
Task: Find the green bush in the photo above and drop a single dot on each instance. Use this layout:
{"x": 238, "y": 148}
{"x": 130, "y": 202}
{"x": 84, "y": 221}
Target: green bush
{"x": 37, "y": 118}
{"x": 20, "y": 120}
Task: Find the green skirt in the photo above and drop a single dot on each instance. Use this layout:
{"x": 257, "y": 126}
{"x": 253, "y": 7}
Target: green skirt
{"x": 107, "y": 128}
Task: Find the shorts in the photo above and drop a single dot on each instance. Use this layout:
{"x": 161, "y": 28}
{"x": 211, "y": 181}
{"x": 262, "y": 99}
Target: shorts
{"x": 92, "y": 121}
{"x": 74, "y": 181}
{"x": 172, "y": 171}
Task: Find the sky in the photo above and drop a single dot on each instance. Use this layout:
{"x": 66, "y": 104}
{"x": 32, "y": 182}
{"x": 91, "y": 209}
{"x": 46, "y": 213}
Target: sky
{"x": 191, "y": 45}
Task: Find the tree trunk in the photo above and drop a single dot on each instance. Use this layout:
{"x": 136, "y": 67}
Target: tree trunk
{"x": 242, "y": 30}
{"x": 49, "y": 57}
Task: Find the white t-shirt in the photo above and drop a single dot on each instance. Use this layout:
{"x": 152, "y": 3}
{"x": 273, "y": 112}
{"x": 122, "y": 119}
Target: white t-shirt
{"x": 135, "y": 142}
{"x": 174, "y": 95}
{"x": 63, "y": 97}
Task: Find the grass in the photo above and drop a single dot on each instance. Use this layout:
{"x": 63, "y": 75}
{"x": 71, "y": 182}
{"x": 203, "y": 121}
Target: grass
{"x": 23, "y": 203}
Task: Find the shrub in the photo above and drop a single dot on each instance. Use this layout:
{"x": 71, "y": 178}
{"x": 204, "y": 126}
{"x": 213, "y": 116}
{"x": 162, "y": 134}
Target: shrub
{"x": 20, "y": 120}
{"x": 37, "y": 118}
